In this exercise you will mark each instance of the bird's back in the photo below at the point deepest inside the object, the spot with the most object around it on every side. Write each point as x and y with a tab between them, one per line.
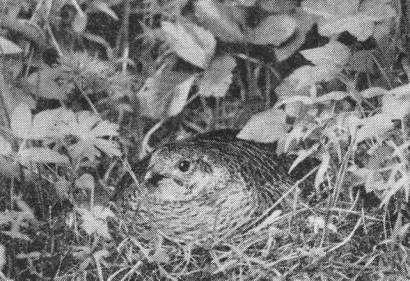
253	178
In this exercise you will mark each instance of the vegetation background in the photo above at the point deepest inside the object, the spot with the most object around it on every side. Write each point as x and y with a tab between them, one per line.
87	84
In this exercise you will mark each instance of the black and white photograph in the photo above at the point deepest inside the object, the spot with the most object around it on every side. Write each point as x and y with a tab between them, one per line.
201	140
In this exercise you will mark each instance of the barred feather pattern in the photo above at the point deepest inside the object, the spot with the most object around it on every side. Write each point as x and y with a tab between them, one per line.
237	180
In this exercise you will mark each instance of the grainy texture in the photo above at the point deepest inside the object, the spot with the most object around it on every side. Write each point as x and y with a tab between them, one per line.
209	186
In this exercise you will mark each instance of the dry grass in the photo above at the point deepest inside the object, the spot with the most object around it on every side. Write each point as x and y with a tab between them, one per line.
299	244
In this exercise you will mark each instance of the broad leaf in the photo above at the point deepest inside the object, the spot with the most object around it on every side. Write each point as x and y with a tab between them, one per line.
217	77
333	53
359	26
190	42
399	100
21	121
3	257
247	3
9	167
304	77
52	123
304	23
358	18
43	84
277	6
223	21
180	96
161	93
41	155
85	182
62	187
93	136
274	30
267	126
362	61
80	22
374	126
5	146
8	48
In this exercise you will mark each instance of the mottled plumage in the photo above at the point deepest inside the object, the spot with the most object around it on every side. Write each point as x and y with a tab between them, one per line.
209	186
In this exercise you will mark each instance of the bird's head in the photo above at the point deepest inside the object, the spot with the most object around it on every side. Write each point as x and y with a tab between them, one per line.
183	172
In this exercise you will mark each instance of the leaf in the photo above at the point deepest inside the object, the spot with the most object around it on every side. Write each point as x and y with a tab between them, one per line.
396	102
330	9
2	256
304	23
352	16
41	155
62	187
190	42
302	155
95	220
293	109
103	7
180	96
162	92
161	256
274	30
52	123
277	6
382	31
91	132
361	27
247	3
267	126
43	84
220	20
335	95
100	40
8	48
217	77
9	167
21	121
374	126
362	61
85	182
80	22
333	53
268	221
301	79
324	165
317	222
5	146
378	10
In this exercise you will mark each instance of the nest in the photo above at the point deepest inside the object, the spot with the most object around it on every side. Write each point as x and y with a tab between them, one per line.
249	244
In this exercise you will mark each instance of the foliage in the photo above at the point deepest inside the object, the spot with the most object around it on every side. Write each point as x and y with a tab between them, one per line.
85	84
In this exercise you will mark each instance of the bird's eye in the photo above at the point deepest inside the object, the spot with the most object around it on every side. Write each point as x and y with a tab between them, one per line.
184	165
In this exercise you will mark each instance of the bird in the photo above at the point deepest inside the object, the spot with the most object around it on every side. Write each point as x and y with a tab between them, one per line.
209	186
